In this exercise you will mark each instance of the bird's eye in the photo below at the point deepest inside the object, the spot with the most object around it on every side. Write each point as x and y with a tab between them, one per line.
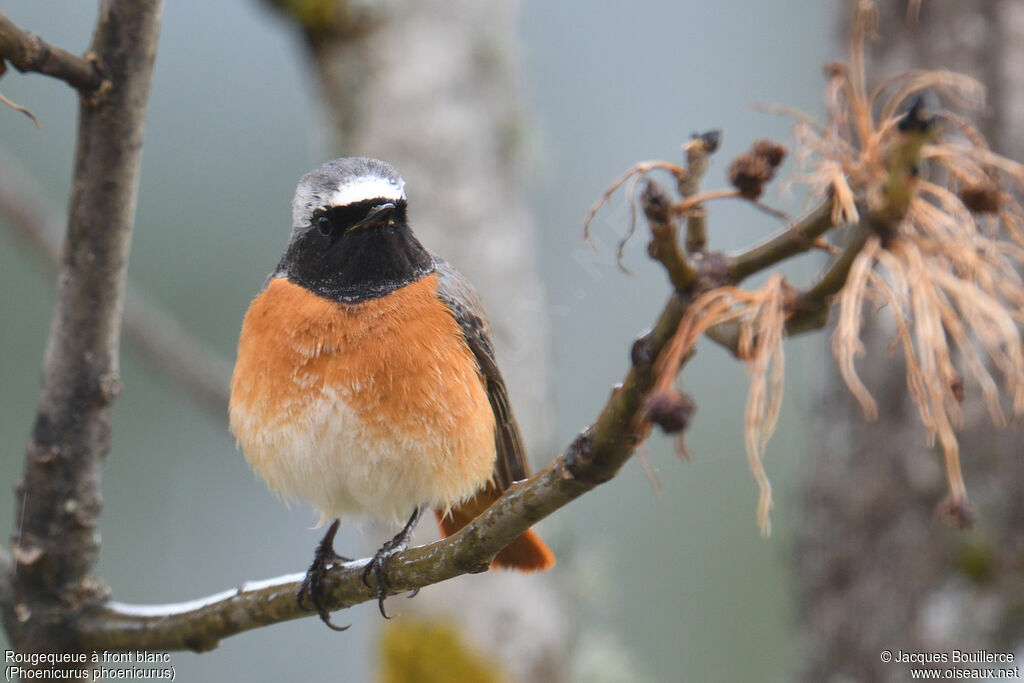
323	224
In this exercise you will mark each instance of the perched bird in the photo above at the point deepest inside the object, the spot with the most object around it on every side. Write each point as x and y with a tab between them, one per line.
366	382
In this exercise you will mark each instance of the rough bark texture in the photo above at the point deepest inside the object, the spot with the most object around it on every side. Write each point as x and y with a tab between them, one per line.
28	52
876	568
56	542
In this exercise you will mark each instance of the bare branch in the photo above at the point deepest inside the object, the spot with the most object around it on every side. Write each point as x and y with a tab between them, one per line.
793	240
698	151
28	52
812	305
56	545
809	309
19	108
664	244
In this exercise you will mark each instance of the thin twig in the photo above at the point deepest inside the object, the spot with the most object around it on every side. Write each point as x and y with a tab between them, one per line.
834	277
690	203
795	239
664	245
698	150
639	169
809	309
28	52
23	110
56	545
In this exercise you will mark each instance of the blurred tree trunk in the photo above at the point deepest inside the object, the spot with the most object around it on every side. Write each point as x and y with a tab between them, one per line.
877	569
433	87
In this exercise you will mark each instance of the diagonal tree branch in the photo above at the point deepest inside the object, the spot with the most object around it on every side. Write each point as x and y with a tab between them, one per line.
795	239
810	308
56	545
28	52
594	457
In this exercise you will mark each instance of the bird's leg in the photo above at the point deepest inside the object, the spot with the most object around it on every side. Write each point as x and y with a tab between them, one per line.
312	585
378	565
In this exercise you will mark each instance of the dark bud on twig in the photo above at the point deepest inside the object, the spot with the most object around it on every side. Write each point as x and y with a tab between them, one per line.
669	410
640	353
749	173
656	202
981	198
710	139
770	151
917	119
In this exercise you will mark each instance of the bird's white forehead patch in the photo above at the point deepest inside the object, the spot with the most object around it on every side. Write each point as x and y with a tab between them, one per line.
320	190
366	187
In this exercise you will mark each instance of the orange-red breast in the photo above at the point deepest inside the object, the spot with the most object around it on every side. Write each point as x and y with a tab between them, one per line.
366	382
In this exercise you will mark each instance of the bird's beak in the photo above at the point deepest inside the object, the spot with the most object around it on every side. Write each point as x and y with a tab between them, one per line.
375	216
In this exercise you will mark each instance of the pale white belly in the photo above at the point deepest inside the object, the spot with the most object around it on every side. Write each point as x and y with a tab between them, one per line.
320	451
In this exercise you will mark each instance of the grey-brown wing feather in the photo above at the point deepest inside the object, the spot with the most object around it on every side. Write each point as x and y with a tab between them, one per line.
458	294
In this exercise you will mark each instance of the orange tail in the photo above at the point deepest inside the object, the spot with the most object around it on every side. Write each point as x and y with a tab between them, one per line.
527	553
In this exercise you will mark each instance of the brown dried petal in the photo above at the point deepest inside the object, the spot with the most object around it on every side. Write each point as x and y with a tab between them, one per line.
981	198
669	410
770	151
748	174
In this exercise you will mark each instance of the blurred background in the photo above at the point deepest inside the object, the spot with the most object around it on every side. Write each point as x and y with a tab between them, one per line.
654	583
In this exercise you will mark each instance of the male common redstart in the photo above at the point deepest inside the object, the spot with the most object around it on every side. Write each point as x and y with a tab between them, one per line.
366	382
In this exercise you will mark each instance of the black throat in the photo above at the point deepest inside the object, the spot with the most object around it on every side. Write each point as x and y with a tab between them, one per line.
359	264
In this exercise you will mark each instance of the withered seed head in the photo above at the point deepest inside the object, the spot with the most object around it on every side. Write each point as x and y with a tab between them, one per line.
981	198
669	410
770	151
748	173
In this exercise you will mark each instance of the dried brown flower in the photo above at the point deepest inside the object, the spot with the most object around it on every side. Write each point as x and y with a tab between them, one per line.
981	197
669	409
944	257
748	173
946	265
771	152
761	316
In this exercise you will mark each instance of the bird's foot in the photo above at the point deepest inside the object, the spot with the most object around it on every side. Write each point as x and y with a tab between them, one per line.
379	563
311	592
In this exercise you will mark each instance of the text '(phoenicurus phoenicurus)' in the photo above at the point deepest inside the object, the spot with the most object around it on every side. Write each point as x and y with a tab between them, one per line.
366	381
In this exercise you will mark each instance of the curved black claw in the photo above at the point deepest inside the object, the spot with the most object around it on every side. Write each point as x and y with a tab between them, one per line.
311	592
379	563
